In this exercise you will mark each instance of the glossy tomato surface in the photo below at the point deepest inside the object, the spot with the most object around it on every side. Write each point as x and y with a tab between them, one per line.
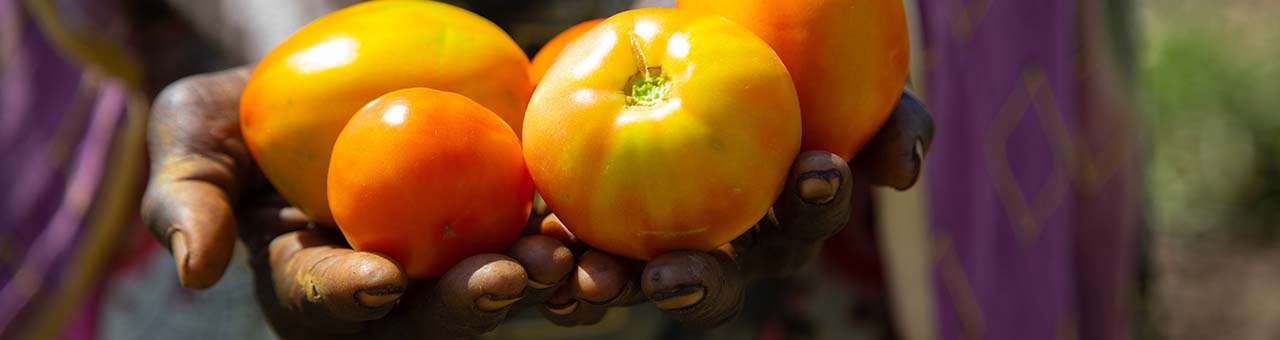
661	129
304	91
428	178
848	58
542	61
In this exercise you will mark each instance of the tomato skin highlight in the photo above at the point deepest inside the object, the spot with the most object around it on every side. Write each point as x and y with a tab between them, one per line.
306	89
428	178
661	129
547	55
849	60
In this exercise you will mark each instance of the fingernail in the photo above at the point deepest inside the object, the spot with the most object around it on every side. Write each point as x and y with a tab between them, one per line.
553	227
378	297
293	216
489	303
538	285
728	249
917	157
680	298
819	187
562	309
917	150
178	243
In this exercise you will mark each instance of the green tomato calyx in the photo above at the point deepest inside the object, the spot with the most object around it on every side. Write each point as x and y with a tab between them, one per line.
648	91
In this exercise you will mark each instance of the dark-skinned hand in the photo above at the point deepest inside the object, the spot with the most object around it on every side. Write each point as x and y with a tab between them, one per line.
205	189
704	289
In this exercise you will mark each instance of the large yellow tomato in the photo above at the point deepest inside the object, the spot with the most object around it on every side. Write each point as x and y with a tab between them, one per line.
549	52
848	58
662	129
304	91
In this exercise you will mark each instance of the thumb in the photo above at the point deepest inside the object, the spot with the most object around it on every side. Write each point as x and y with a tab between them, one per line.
194	219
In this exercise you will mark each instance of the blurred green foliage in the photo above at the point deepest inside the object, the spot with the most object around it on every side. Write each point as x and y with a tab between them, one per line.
1212	85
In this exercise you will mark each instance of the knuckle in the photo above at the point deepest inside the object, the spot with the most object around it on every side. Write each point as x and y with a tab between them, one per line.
185	91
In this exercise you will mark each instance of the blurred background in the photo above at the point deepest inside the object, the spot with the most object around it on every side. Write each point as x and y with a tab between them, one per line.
1210	82
1197	257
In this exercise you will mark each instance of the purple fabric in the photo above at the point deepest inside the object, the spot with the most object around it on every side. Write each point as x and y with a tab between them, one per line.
55	137
1020	246
39	86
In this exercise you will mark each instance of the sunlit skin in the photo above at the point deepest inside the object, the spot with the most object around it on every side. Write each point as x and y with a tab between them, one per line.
428	178
303	92
542	61
660	130
848	58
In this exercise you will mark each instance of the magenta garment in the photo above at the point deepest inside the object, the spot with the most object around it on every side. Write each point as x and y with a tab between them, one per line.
1032	180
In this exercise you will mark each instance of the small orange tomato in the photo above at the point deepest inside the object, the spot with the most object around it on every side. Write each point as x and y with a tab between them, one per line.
307	88
428	178
848	58
661	129
542	61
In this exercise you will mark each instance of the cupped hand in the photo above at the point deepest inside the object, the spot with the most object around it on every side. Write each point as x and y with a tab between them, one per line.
205	189
704	289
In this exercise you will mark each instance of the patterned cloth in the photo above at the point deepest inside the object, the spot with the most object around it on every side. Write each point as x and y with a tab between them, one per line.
1034	176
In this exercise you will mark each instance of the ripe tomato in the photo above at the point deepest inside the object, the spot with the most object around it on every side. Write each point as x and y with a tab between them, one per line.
542	61
848	58
661	129
428	178
305	90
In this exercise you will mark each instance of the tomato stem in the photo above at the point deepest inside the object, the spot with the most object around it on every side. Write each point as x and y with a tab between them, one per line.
648	86
642	64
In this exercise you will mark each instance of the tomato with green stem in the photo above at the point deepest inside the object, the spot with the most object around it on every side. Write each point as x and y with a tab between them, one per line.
662	129
551	50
